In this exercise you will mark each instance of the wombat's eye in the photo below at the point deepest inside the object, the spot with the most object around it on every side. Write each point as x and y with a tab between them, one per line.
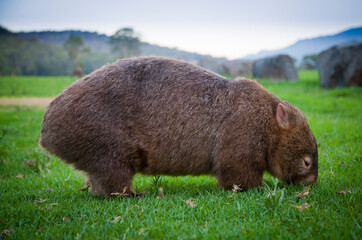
307	161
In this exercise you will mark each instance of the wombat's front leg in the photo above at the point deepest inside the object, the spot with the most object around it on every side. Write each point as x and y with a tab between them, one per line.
244	180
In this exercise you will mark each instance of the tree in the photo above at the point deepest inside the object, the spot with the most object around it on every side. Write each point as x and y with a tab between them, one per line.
75	47
309	62
126	43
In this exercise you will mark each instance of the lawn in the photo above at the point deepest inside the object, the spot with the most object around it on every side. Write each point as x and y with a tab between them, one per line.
33	86
41	196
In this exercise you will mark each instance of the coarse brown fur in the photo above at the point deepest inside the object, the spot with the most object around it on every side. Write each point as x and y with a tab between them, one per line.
160	116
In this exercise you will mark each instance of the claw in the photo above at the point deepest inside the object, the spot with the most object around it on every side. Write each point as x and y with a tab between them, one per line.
139	194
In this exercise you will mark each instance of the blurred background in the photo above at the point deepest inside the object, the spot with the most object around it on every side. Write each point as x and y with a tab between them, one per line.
261	38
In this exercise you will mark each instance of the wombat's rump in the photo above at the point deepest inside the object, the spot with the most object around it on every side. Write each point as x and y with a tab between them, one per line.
161	116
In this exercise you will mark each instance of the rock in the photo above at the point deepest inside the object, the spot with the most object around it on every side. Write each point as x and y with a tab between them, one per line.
280	67
213	64
341	66
237	68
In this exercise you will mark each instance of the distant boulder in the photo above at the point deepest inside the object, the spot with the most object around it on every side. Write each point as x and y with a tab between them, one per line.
213	64
280	67
237	68
341	66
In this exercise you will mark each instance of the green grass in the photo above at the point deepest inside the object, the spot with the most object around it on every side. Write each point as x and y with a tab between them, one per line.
33	86
335	118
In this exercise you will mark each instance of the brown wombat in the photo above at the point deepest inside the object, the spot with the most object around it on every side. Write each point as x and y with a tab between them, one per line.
155	115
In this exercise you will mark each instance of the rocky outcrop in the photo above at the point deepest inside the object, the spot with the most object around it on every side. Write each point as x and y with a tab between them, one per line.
237	68
341	66
280	67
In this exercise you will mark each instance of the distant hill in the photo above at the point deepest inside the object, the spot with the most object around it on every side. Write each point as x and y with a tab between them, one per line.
100	42
313	45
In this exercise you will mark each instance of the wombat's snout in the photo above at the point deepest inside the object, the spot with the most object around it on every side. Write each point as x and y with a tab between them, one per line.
311	179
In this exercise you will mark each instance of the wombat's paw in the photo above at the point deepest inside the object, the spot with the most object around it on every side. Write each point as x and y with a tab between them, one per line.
124	194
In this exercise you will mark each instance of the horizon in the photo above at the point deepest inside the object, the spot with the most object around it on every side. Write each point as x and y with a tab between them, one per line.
205	27
108	35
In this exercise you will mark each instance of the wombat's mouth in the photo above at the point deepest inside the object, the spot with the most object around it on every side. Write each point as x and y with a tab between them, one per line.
310	179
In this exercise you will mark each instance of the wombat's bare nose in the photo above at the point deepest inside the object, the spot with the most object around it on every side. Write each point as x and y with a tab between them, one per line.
311	179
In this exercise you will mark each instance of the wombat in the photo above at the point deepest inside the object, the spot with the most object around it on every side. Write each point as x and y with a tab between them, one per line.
157	116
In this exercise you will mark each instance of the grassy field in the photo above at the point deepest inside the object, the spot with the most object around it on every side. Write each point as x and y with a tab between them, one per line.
41	197
33	86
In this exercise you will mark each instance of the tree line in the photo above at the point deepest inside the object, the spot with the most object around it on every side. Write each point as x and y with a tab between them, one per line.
20	56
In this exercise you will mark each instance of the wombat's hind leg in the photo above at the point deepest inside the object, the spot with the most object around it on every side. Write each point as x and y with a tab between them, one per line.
112	180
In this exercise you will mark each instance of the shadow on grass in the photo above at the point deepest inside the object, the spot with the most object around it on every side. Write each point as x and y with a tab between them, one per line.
187	185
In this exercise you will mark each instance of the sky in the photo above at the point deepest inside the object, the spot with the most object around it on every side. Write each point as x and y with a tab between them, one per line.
223	28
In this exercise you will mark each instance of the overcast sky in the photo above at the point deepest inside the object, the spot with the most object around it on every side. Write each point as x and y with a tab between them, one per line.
223	28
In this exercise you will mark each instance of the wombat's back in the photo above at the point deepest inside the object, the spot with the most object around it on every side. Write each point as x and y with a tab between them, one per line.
150	105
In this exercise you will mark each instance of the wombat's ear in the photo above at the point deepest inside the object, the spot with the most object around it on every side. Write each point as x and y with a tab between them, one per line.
282	116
